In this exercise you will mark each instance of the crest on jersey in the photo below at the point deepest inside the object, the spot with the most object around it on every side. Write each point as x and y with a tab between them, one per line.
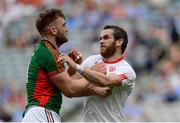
112	68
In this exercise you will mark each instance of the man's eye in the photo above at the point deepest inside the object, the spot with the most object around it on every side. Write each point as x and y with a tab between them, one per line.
106	37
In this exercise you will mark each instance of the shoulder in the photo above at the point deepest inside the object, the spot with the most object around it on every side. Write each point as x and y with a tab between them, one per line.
41	50
129	68
124	67
125	64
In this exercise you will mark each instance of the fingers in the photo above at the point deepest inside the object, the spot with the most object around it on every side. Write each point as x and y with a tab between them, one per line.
103	91
100	64
78	57
99	67
75	56
62	58
102	70
73	53
108	91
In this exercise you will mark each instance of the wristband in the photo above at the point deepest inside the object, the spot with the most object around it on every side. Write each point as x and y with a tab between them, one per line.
79	69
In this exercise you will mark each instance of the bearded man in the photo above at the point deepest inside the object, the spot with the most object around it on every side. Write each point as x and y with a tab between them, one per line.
119	75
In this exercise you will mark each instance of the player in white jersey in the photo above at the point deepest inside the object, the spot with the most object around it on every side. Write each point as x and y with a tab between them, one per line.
118	74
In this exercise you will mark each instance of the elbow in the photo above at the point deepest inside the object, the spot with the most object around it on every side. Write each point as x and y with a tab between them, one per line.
70	90
72	93
69	94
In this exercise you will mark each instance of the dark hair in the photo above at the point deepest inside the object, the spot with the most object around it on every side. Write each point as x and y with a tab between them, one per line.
119	33
47	17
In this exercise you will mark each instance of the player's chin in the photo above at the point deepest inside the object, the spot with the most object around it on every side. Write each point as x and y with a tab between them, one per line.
102	51
102	54
65	39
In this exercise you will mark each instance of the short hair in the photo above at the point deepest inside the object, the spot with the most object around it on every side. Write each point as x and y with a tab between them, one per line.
46	17
119	33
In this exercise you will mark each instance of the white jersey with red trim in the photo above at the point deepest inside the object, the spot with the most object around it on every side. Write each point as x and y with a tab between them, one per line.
109	109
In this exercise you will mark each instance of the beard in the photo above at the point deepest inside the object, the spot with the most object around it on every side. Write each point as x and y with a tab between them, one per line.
60	39
59	42
109	51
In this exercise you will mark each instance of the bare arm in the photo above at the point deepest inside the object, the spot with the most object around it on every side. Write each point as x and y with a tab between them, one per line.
78	87
95	90
69	87
93	76
71	71
102	79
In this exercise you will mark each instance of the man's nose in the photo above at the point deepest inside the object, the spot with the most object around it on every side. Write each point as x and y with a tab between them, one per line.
66	28
101	41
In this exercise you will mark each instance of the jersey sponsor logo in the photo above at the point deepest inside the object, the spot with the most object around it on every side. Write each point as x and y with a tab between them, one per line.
112	68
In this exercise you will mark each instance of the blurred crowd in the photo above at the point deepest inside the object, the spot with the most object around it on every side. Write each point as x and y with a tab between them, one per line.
153	50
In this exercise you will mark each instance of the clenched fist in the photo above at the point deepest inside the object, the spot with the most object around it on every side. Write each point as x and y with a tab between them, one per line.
75	56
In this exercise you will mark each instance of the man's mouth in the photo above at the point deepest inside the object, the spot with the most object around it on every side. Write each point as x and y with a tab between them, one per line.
102	46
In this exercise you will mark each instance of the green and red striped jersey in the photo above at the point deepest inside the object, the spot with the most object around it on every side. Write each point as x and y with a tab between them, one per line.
40	89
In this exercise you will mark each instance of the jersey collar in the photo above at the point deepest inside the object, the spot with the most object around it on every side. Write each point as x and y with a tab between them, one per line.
112	62
49	43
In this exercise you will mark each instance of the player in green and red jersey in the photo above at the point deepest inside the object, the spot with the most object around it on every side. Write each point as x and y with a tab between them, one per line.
47	78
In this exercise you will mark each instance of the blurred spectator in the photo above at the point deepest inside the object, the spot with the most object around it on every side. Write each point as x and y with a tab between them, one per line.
4	116
137	9
167	82
174	33
135	111
174	54
36	3
11	103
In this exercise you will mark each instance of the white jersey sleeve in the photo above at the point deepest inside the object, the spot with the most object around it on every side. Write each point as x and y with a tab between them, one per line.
127	75
125	72
130	78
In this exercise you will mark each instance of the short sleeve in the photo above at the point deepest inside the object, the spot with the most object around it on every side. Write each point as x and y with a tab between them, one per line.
48	62
128	77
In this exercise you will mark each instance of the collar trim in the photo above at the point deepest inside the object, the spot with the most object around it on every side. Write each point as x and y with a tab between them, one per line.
45	40
112	62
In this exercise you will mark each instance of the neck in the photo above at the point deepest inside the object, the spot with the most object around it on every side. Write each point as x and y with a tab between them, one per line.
114	57
50	39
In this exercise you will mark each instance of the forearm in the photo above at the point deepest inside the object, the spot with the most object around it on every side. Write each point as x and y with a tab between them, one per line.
100	79
77	86
96	77
89	91
71	71
69	87
76	76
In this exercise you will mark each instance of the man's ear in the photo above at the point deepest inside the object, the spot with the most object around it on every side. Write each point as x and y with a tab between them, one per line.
119	42
53	30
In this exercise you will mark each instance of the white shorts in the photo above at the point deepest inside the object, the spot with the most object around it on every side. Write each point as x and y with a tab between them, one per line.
40	114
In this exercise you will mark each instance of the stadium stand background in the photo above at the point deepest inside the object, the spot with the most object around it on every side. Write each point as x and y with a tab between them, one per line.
153	27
